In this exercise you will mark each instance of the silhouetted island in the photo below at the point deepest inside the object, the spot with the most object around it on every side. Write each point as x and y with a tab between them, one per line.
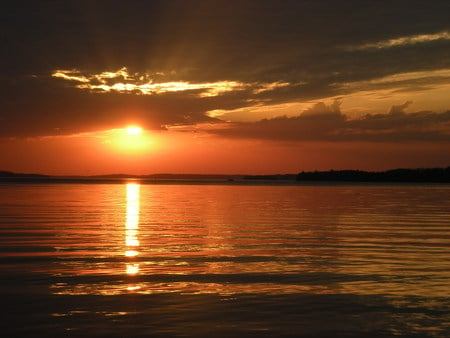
432	175
12	177
12	174
278	177
437	175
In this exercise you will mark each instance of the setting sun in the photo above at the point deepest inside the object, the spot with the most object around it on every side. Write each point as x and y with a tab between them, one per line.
131	139
133	130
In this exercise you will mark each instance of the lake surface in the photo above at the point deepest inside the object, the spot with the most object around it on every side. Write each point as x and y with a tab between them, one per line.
140	260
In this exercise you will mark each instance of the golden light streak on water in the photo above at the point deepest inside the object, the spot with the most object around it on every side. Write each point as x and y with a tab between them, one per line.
131	253
132	269
132	227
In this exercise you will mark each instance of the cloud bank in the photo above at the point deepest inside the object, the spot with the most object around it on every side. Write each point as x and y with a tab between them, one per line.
78	66
327	123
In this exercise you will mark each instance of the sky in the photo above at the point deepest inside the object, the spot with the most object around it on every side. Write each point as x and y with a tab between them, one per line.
232	87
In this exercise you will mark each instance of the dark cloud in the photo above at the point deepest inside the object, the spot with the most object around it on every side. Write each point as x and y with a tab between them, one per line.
399	109
327	123
38	109
204	40
304	43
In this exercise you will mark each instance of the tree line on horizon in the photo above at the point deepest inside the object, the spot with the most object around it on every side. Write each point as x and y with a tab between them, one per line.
438	175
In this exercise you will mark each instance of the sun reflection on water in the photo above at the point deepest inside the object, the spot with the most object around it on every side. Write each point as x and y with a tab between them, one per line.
132	227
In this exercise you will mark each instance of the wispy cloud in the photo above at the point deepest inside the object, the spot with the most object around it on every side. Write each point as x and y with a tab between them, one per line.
206	89
403	41
265	87
123	82
70	75
323	122
399	80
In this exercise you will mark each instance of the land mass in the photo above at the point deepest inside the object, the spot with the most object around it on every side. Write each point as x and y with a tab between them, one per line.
436	175
8	176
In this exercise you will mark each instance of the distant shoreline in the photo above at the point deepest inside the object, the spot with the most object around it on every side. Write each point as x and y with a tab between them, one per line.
422	175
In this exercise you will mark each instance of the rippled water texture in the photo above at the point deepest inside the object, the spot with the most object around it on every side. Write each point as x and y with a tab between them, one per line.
225	260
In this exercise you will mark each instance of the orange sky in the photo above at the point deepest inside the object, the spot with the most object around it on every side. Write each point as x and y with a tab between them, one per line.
172	153
234	87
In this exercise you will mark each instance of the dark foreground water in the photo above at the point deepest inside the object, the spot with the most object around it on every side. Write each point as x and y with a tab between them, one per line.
127	260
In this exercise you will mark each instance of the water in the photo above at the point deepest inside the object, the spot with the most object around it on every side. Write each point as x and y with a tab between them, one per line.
129	260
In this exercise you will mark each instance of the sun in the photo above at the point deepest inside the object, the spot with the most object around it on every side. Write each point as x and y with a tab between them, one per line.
133	130
131	139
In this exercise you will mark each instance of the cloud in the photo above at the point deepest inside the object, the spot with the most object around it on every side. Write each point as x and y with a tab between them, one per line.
200	61
403	41
71	75
72	101
145	85
266	87
52	109
320	109
400	81
324	122
399	109
121	81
